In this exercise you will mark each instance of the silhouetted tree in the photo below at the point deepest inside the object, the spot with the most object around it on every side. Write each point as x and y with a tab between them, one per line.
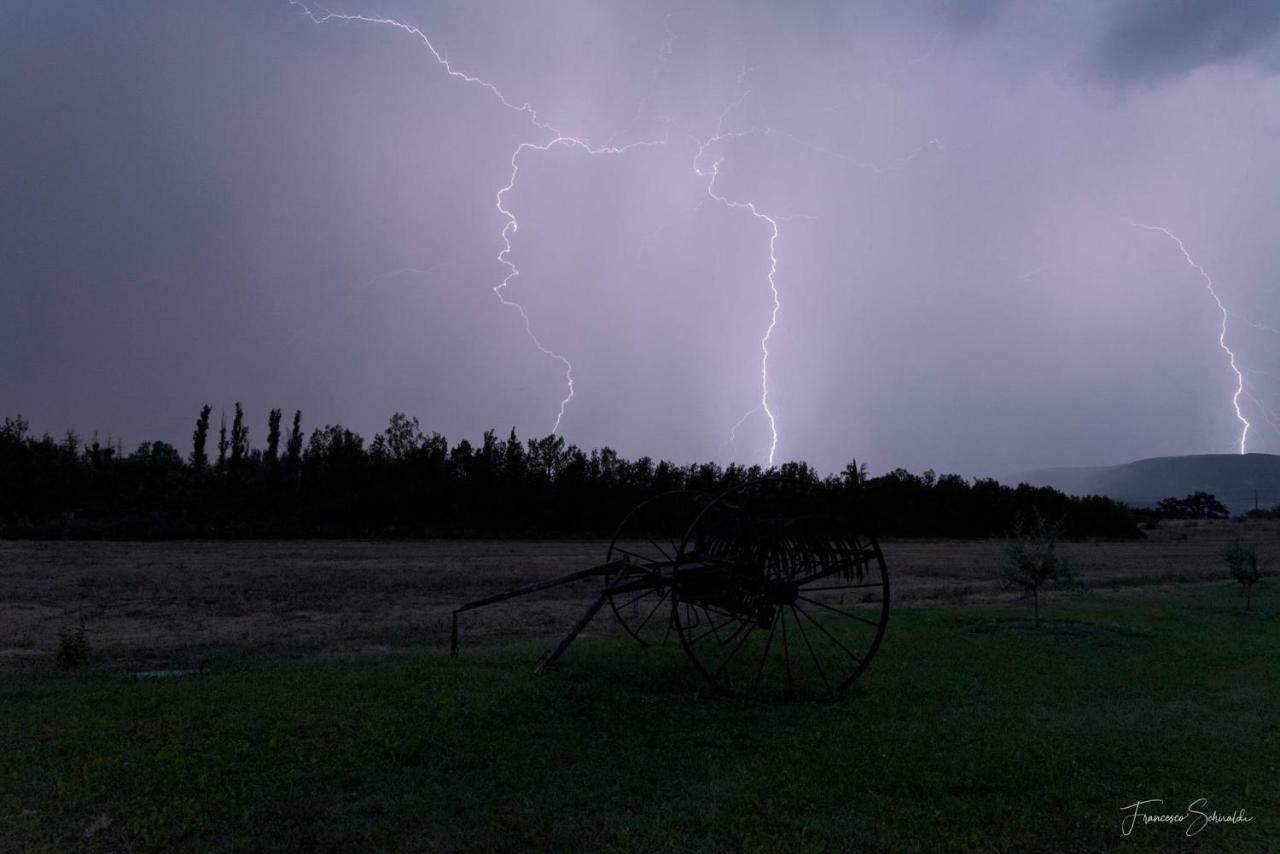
407	483
200	439
273	437
70	446
1197	505
293	450
222	443
403	437
157	454
14	430
239	438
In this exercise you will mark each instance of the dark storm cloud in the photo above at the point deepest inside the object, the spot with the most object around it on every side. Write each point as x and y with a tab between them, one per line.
222	201
1154	39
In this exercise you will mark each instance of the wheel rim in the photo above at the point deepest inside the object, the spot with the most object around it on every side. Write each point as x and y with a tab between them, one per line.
775	595
649	538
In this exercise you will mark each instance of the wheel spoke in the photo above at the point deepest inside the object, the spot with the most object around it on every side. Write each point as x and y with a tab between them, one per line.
660	549
642	594
812	654
786	650
651	613
714	630
823	629
755	684
838	611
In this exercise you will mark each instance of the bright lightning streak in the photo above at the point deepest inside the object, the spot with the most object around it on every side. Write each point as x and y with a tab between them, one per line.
711	176
774	220
512	225
1222	333
440	59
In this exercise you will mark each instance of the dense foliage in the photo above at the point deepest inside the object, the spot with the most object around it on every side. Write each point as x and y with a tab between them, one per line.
407	483
1197	505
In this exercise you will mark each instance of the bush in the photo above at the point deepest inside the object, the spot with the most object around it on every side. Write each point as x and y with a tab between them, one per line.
1242	561
73	649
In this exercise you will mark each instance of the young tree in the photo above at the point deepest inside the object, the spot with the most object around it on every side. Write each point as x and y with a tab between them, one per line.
200	438
222	443
273	437
239	438
1031	560
1242	561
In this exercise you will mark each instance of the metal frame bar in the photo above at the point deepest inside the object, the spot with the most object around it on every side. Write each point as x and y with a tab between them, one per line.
604	569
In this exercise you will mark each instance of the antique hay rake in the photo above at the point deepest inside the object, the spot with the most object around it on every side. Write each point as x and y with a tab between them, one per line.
768	587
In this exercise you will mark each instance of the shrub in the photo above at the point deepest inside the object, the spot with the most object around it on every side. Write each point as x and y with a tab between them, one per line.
1242	561
73	649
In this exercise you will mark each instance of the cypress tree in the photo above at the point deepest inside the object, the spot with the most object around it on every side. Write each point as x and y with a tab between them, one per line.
200	438
239	437
273	436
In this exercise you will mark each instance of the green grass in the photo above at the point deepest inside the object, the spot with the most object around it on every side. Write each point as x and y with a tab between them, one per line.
971	731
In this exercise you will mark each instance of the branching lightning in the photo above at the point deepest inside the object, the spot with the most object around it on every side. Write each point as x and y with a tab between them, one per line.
559	139
705	169
1222	332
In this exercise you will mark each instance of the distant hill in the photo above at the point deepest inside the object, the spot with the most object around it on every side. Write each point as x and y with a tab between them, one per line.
1233	478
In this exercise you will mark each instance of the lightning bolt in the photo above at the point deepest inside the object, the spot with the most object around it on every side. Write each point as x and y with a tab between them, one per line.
559	139
513	225
711	175
774	221
1222	332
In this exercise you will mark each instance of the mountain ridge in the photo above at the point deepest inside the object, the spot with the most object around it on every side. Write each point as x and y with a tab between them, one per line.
1240	481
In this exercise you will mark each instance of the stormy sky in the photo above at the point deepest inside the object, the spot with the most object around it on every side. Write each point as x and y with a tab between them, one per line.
226	201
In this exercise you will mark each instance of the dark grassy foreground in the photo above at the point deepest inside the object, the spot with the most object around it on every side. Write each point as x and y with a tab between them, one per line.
970	732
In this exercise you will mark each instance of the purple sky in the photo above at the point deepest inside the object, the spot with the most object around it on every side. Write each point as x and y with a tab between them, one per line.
210	203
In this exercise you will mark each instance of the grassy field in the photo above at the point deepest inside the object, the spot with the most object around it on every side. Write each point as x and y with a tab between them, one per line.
192	604
973	731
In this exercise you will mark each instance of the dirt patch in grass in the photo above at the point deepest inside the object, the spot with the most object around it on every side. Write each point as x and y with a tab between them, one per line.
159	605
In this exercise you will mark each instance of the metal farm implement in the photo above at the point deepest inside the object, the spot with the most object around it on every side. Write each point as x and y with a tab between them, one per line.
768	589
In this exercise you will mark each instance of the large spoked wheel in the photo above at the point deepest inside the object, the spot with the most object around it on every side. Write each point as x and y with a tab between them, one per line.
775	594
649	538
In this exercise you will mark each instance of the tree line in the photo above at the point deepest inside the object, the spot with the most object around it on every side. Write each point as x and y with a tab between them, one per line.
408	483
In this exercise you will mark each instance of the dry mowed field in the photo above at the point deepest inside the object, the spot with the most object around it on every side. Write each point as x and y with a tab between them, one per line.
185	604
